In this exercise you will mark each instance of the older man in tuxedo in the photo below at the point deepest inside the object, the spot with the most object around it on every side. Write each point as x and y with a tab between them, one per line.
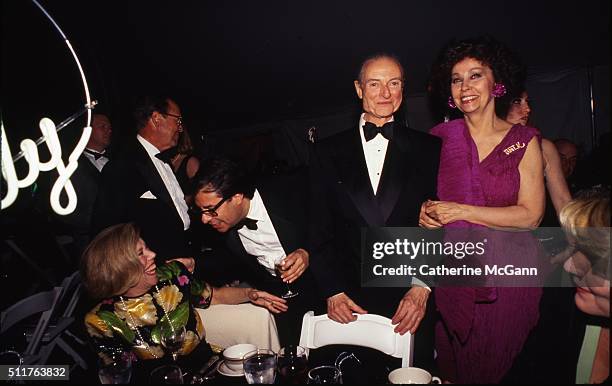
375	174
139	187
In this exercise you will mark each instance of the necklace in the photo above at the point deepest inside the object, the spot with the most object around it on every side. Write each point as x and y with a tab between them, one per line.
144	342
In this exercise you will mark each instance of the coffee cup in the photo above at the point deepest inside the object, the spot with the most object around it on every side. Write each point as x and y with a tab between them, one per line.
233	355
411	375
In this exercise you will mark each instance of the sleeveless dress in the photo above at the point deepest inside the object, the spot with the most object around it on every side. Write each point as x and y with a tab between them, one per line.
483	329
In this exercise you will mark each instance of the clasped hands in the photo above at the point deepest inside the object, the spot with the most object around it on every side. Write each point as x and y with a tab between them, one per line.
435	214
407	317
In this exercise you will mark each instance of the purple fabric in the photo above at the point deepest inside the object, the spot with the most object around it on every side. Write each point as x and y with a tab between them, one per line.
483	328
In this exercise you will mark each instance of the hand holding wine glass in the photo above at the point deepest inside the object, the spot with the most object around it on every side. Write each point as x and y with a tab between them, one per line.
290	268
172	338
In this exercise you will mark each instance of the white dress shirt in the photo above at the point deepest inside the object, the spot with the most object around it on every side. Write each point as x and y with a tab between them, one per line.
263	242
98	163
375	151
170	181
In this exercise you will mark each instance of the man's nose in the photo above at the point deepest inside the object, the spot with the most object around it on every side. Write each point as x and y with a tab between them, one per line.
386	93
205	218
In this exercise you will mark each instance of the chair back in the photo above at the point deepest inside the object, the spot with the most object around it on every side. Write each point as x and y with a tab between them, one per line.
42	303
369	330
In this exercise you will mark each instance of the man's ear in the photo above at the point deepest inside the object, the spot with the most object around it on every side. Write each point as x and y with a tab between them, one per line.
358	89
155	118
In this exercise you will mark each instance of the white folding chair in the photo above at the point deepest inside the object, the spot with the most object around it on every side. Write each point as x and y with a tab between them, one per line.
369	330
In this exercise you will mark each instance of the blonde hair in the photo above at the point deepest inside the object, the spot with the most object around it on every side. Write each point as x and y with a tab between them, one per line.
110	263
586	221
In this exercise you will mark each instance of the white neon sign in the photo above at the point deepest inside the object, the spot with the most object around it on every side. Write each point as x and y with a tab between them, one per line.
49	136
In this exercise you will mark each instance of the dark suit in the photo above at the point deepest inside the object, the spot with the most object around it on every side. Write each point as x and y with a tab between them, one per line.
124	180
343	202
85	180
284	200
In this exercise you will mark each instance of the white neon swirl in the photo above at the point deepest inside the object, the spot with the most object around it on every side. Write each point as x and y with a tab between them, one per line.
29	148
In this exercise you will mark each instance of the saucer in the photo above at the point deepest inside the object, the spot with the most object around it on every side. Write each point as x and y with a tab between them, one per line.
224	370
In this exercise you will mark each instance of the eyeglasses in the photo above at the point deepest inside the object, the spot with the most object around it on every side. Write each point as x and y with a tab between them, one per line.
211	212
179	119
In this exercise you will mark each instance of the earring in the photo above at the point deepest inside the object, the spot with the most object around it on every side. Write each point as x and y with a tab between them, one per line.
499	90
451	103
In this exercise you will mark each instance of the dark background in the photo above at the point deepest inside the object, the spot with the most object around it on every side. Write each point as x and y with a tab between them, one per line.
252	77
242	63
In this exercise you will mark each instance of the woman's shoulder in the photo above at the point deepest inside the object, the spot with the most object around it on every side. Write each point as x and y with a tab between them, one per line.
445	129
526	133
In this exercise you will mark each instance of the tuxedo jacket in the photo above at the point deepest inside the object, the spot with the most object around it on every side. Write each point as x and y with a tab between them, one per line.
85	180
284	198
343	202
121	198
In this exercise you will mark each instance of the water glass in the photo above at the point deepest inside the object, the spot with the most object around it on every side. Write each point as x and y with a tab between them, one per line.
118	371
260	366
325	375
167	375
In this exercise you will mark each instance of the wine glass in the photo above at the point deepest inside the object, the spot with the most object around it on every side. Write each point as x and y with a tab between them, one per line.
325	375
292	364
167	375
278	264
116	371
260	366
172	338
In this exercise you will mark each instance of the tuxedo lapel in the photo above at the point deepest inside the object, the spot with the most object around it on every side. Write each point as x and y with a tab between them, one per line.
235	244
355	179
88	167
254	270
152	179
395	174
286	233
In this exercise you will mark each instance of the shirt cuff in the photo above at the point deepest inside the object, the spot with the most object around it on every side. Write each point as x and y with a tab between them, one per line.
419	283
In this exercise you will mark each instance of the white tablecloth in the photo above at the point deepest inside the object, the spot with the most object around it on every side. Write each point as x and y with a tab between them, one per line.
227	325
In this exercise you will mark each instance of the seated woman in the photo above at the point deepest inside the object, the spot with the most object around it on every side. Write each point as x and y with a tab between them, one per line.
138	298
586	220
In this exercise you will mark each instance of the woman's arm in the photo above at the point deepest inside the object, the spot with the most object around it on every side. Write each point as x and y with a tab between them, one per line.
526	214
237	295
555	180
193	164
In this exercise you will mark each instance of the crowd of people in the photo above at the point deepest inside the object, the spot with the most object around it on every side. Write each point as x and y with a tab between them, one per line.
300	233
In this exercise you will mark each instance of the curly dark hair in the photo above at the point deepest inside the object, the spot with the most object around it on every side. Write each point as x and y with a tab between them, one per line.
506	66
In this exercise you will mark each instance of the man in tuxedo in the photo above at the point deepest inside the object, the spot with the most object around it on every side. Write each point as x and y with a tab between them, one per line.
376	174
265	225
138	187
86	180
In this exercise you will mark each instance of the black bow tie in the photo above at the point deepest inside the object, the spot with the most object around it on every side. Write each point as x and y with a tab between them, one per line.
96	154
370	130
247	222
167	155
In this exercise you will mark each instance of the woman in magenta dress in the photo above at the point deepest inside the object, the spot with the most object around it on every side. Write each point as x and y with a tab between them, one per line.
491	176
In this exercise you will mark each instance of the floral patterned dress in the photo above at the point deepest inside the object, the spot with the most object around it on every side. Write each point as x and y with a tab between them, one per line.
112	329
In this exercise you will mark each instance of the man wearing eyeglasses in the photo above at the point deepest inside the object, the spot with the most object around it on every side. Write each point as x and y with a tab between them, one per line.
139	187
265	224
